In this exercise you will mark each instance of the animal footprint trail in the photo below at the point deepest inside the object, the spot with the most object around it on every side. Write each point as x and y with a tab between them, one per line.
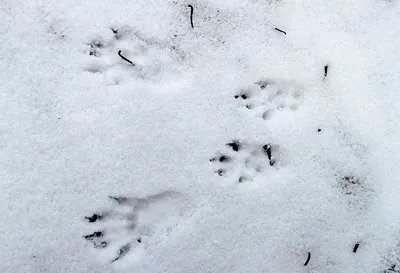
127	223
244	160
267	98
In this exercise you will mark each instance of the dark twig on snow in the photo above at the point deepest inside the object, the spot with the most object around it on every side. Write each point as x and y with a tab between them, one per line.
191	15
125	59
267	150
308	259
356	247
280	30
326	70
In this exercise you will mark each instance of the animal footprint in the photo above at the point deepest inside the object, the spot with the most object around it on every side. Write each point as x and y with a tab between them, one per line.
123	53
243	160
267	98
127	223
356	191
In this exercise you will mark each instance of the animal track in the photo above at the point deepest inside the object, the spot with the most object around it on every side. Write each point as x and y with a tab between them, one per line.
269	97
245	160
127	223
357	192
149	56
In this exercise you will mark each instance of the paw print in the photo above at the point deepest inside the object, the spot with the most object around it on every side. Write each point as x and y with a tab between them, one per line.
244	161
127	224
122	53
267	98
356	191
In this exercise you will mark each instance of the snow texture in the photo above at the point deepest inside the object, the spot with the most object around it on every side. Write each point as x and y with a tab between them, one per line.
227	147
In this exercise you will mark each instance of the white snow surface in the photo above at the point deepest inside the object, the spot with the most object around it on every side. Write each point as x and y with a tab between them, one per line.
77	128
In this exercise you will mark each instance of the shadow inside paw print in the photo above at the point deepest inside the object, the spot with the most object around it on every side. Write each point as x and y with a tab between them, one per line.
266	98
94	47
245	159
121	228
349	184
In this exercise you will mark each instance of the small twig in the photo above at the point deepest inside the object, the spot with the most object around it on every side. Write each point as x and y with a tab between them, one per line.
356	247
308	259
191	15
267	150
284	32
125	59
326	70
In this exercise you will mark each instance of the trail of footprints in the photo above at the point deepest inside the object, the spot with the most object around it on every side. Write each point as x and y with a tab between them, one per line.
242	161
265	99
120	228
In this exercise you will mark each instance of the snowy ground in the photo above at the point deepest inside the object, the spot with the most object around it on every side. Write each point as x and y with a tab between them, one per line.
311	164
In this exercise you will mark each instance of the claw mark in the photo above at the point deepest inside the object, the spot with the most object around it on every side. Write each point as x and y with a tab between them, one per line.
222	158
267	150
243	96
122	252
94	218
392	269
125	59
308	259
96	234
235	145
280	30
356	247
117	35
242	179
191	15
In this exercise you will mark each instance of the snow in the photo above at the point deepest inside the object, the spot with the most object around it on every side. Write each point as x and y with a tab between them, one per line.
77	128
